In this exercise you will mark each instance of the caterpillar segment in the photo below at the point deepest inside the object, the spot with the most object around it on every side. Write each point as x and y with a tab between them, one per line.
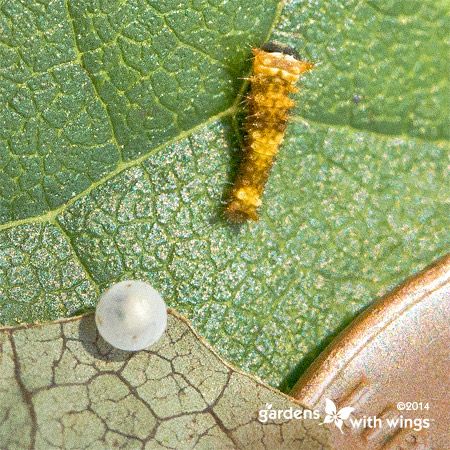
276	70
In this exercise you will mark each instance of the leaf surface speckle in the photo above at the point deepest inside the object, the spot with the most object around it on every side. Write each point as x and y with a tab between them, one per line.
117	147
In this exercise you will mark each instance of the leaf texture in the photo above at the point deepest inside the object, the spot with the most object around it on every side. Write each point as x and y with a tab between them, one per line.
64	387
118	144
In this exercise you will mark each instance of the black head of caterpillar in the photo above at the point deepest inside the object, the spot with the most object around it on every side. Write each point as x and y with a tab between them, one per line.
277	47
276	70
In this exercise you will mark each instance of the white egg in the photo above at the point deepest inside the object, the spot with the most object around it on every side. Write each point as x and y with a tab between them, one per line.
131	315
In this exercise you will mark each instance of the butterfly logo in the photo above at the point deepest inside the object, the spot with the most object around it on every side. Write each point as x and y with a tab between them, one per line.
335	416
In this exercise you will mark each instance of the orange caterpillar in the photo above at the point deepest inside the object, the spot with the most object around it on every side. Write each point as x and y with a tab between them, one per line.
276	70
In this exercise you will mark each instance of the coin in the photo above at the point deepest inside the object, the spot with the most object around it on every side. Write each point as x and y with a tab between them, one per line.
391	363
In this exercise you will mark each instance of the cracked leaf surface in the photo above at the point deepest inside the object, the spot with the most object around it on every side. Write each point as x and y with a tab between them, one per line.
39	275
66	388
357	200
55	137
85	85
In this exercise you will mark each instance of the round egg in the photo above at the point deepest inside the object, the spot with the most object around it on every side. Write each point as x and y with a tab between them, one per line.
131	315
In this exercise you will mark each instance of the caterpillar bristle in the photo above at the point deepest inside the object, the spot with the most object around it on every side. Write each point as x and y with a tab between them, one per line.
276	70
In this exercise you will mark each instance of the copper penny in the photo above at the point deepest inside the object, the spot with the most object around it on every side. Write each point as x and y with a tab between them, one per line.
391	363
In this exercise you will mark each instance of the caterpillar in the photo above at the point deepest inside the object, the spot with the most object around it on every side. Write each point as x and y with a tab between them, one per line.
276	70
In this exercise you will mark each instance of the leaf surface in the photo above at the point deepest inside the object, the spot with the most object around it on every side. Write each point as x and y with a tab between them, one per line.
64	387
145	95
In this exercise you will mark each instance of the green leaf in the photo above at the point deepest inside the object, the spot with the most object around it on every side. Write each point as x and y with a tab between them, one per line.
88	85
383	65
357	201
64	387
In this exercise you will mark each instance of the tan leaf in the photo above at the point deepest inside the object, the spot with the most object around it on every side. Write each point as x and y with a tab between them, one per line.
62	386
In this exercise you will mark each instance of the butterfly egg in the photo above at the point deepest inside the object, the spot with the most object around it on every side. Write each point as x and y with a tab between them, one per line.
131	315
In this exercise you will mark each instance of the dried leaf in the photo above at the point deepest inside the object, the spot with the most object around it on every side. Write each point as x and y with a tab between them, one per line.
62	386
